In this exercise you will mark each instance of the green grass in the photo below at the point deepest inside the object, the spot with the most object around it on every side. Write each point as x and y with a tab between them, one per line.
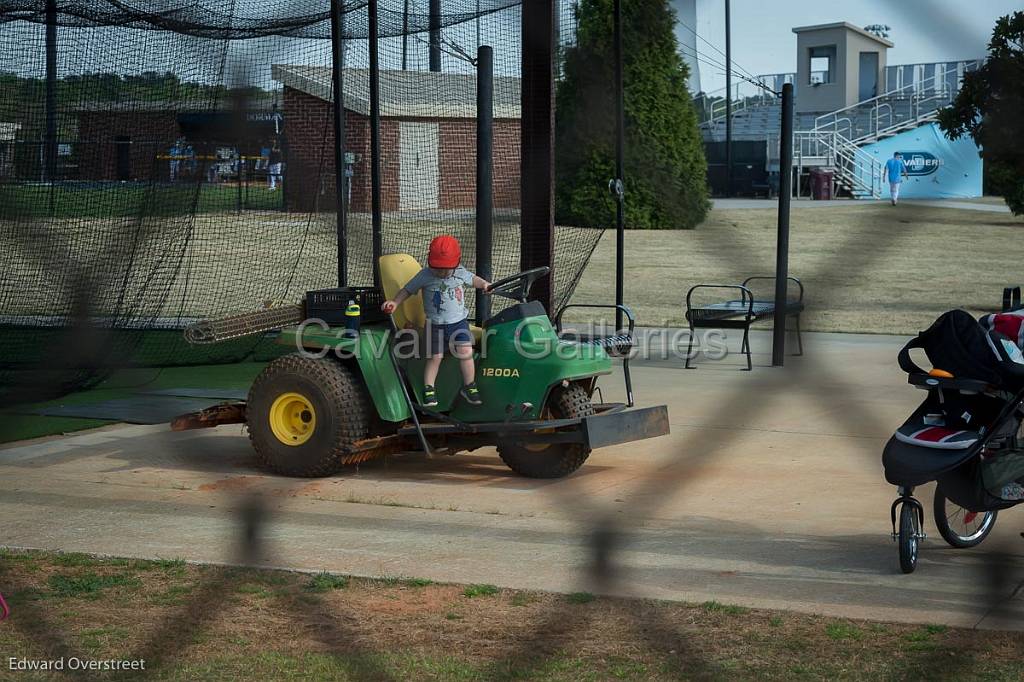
580	598
466	640
175	595
88	585
132	200
325	582
728	609
75	559
479	591
843	630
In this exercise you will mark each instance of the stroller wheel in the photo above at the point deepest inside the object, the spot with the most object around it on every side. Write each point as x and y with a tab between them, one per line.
909	535
960	527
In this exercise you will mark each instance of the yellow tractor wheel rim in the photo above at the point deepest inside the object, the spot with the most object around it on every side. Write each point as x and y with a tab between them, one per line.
292	418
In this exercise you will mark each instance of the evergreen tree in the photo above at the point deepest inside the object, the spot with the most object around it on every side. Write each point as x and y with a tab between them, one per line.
665	169
990	108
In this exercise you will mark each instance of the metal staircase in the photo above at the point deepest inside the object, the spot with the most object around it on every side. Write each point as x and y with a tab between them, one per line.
855	171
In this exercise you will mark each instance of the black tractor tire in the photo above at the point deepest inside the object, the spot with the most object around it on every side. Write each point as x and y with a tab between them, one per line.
341	407
557	459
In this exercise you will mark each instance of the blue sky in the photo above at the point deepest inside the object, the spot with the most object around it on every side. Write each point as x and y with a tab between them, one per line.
923	30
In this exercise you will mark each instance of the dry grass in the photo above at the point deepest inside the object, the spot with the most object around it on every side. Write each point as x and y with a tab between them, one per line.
920	261
248	624
886	270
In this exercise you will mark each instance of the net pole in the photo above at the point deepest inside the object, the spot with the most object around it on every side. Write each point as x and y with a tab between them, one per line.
620	153
728	102
484	173
375	179
782	238
435	35
338	83
405	34
537	147
50	149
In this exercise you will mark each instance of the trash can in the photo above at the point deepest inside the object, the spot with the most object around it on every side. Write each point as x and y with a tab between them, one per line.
821	183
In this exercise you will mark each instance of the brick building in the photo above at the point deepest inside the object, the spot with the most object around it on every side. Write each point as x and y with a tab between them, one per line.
428	139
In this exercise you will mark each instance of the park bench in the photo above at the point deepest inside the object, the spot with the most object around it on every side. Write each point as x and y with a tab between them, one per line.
739	313
616	345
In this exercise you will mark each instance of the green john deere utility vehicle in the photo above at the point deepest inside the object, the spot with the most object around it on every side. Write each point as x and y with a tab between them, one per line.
341	399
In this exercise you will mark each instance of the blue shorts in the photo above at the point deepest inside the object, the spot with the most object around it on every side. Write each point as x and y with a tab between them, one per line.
441	337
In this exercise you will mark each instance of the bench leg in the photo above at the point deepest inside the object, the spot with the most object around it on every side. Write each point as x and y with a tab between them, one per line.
689	347
799	341
746	347
629	381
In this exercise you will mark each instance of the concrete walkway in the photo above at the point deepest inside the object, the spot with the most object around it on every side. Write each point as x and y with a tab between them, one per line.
769	492
965	205
728	204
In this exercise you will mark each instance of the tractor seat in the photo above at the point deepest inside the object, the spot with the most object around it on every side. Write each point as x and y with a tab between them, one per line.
396	269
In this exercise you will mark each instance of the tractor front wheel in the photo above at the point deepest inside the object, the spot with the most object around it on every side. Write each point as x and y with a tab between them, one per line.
556	459
305	414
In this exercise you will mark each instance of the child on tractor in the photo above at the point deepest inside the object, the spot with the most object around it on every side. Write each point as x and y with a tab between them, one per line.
445	307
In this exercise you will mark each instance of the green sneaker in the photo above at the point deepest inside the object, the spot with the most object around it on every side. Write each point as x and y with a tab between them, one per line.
471	394
429	396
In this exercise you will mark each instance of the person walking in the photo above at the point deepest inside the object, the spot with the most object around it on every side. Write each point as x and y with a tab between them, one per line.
274	175
894	171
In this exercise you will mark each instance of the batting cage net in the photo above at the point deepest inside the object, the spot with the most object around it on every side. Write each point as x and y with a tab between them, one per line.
164	161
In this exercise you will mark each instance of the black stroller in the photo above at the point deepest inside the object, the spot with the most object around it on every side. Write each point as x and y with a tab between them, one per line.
970	418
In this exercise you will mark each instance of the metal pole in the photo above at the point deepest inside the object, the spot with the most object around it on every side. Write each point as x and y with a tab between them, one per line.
484	173
405	34
620	152
435	35
536	145
375	179
728	102
50	148
782	239
340	198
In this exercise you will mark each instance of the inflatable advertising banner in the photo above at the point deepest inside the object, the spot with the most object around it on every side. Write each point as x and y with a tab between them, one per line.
937	168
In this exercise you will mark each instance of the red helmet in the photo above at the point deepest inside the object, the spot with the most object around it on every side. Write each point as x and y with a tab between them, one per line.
445	252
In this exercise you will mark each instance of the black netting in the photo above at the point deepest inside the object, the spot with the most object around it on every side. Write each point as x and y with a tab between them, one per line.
159	202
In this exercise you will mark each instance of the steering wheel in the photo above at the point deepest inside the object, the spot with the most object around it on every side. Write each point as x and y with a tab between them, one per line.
517	286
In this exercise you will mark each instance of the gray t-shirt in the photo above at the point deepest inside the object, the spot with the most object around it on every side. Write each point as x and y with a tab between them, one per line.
444	301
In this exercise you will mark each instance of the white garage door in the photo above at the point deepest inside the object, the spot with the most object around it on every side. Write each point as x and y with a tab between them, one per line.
420	168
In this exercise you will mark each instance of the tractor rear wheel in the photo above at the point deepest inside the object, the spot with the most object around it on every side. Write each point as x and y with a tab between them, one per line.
305	414
556	459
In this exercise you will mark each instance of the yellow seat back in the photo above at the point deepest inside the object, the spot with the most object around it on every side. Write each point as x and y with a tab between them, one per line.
396	270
